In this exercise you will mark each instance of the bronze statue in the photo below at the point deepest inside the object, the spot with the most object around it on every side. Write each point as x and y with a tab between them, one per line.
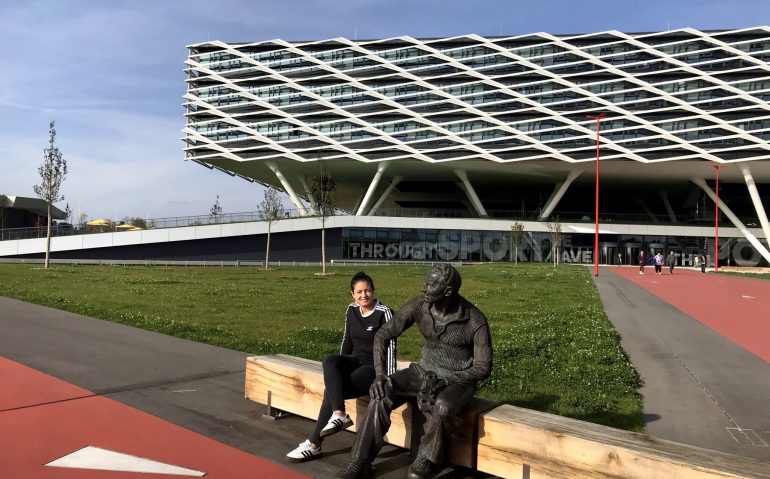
455	356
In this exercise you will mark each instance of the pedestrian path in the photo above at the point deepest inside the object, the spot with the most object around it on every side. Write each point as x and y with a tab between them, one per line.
63	431
700	343
737	308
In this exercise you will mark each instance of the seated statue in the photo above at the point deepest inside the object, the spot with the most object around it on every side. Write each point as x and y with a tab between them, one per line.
456	354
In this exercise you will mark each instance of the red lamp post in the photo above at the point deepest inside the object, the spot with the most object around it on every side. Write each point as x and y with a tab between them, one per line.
716	220
598	119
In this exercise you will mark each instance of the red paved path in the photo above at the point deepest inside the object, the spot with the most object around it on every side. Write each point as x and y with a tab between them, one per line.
43	418
737	308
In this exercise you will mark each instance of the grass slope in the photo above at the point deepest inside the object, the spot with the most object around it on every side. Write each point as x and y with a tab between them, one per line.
554	348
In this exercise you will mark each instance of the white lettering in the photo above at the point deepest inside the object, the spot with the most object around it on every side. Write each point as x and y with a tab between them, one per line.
470	243
495	246
391	251
448	244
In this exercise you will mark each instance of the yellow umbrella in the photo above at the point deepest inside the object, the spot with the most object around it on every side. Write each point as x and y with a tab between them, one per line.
99	223
127	227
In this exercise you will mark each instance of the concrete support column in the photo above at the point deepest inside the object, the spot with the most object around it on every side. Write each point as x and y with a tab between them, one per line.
372	187
647	210
558	193
309	193
664	196
734	219
287	187
472	196
755	198
385	195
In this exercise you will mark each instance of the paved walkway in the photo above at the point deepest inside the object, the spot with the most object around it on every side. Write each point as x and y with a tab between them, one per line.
701	342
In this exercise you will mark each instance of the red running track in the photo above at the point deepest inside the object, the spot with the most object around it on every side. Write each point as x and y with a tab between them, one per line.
43	418
737	308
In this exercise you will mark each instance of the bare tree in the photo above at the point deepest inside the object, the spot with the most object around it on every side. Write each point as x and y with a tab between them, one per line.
324	190
216	211
554	228
52	173
82	219
270	210
517	234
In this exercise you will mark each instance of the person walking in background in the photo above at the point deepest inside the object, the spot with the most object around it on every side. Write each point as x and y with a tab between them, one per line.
658	261
350	373
641	260
671	262
620	259
702	263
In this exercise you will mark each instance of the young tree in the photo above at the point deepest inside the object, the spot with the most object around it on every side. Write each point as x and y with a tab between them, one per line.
324	190
554	228
271	210
216	211
517	234
3	213
82	219
68	214
52	173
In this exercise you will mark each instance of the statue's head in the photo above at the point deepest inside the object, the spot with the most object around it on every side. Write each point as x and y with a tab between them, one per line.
442	281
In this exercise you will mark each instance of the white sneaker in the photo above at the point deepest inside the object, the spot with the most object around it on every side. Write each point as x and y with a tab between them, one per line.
336	424
304	452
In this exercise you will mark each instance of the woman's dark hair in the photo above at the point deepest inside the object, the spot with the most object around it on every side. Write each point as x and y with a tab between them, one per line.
361	276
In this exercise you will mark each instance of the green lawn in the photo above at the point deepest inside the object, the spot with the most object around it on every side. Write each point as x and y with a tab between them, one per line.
554	348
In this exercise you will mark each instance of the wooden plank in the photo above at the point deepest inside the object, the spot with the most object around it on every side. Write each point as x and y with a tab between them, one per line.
549	446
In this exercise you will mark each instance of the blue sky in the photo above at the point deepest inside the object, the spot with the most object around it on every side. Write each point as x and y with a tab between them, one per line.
110	73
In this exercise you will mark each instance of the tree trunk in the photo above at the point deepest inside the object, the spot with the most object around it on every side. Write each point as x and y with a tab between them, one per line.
516	260
323	250
267	250
48	238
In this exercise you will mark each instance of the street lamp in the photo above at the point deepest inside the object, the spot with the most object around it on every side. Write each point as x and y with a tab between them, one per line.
716	220
598	119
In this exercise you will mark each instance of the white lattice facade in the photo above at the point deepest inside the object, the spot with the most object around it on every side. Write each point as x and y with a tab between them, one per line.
492	126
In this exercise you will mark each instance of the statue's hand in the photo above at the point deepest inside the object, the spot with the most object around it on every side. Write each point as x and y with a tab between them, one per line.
379	386
438	386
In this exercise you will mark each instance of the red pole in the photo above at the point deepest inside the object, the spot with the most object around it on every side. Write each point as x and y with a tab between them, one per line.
716	222
598	119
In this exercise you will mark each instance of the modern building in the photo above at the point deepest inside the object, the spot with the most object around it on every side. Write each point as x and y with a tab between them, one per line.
501	127
437	145
25	212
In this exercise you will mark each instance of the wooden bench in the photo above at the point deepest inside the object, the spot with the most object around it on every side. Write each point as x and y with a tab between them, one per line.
296	385
508	441
522	443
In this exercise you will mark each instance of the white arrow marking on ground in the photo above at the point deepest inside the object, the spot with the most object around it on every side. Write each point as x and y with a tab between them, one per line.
101	459
746	296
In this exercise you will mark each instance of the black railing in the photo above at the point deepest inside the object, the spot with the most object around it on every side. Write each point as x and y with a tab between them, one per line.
105	226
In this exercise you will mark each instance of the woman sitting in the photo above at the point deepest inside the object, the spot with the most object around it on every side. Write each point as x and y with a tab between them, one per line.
350	373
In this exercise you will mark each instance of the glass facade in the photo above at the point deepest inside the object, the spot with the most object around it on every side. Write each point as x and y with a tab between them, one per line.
418	244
